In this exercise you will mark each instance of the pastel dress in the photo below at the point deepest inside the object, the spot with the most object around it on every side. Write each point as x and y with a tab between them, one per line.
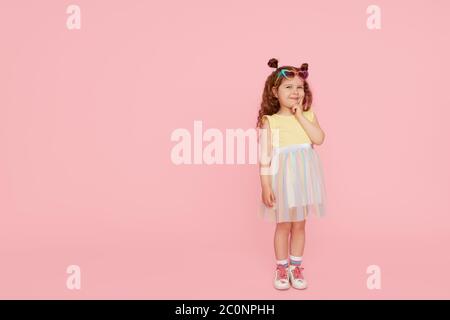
296	171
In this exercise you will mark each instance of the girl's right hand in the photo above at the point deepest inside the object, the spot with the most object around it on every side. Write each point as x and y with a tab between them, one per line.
268	197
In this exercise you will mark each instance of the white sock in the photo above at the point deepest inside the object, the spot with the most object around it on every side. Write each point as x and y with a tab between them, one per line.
295	261
283	262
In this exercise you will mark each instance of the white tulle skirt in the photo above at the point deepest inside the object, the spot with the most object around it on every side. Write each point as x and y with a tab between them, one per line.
297	183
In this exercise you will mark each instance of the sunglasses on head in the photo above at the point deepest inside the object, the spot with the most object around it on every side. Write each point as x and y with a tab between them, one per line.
288	73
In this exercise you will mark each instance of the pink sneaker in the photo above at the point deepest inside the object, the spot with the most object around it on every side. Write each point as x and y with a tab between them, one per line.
281	281
296	277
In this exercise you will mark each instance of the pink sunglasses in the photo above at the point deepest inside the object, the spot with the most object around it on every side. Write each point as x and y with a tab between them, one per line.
292	73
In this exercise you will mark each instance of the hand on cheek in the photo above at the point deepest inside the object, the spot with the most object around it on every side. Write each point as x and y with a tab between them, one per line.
297	109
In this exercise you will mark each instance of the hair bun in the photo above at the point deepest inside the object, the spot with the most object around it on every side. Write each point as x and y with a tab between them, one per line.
273	63
304	70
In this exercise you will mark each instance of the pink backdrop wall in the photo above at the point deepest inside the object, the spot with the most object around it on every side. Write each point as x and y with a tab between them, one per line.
85	171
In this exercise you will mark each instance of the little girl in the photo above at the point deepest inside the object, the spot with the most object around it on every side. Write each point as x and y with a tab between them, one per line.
291	177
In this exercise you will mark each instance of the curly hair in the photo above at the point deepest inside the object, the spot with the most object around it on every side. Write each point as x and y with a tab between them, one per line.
270	103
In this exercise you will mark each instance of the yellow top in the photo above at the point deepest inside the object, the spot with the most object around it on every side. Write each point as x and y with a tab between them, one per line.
290	131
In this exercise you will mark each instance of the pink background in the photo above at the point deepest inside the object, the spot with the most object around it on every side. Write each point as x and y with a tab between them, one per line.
85	171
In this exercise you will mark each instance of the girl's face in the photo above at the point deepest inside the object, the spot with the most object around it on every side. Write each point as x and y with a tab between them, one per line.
290	92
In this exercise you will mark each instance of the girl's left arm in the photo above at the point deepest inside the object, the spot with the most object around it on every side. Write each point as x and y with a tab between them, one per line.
313	129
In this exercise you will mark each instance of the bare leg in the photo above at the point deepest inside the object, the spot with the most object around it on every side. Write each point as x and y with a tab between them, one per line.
281	240
298	238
